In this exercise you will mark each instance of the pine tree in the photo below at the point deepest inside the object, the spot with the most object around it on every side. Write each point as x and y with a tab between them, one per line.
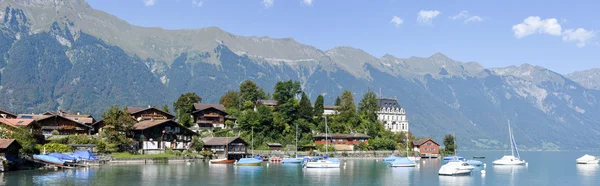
319	106
305	110
338	101
166	108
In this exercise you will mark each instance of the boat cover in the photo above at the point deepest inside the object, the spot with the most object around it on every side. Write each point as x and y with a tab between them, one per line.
62	156
84	155
401	161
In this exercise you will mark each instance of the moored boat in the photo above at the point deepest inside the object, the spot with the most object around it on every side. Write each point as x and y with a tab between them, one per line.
474	162
64	157
292	160
222	161
455	167
453	157
249	162
390	158
588	159
49	159
511	159
403	162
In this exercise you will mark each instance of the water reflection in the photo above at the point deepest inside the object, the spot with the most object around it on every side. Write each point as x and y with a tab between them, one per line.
322	175
509	172
588	173
400	175
456	180
248	172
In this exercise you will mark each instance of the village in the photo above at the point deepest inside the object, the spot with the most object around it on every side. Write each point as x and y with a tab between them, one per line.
155	132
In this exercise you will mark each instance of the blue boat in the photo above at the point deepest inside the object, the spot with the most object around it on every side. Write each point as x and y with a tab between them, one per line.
403	162
390	158
249	162
448	158
84	155
62	156
291	160
474	162
49	159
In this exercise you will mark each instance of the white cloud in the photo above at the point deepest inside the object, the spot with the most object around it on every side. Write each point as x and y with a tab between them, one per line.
149	2
534	24
461	15
464	15
474	19
307	2
197	3
580	35
397	21
268	3
427	16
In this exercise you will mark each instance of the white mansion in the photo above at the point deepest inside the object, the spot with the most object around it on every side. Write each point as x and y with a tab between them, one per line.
392	115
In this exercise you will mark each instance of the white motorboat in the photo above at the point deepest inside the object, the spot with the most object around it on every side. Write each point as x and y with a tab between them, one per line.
588	159
403	162
324	163
511	159
455	167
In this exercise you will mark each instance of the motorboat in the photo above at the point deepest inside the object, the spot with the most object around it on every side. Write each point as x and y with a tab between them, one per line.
588	159
49	159
514	158
403	162
249	162
390	158
455	167
64	157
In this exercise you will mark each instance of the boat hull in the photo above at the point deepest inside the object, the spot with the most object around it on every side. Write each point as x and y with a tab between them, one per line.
322	165
455	172
588	162
454	168
249	164
403	165
48	159
222	161
500	162
291	160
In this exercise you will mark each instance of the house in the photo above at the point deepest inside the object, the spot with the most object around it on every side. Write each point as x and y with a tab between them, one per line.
6	114
154	136
392	115
274	146
30	125
266	102
9	149
63	125
210	116
236	146
330	110
139	114
148	113
81	118
426	147
342	142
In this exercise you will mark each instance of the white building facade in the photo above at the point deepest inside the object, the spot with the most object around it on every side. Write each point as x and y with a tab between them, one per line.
392	115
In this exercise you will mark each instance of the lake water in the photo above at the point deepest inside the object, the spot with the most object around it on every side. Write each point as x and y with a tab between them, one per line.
545	168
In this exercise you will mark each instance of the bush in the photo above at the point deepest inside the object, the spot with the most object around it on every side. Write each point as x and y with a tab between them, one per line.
55	132
56	147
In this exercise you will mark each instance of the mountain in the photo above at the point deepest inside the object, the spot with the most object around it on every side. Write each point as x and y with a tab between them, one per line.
66	55
588	78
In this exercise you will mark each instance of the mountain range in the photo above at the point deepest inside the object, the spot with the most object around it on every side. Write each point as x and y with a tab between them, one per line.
63	54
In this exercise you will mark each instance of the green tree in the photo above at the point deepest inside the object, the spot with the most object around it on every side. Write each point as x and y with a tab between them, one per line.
380	143
368	107
184	106
166	108
231	99
305	109
319	106
122	127
449	146
197	144
23	136
249	91
338	101
285	91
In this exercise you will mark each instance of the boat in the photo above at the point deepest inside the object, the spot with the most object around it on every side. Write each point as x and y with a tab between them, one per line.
403	162
275	159
293	160
61	156
511	159
84	155
324	163
455	167
390	158
256	161
222	161
453	157
474	163
588	159
414	158
49	159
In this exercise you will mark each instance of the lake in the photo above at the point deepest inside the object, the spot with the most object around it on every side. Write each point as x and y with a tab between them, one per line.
544	168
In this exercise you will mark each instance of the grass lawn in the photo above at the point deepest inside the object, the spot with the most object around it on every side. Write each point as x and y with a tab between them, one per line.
127	155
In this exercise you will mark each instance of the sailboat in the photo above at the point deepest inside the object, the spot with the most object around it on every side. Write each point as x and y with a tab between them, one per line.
324	163
588	159
511	159
224	160
250	161
404	161
294	159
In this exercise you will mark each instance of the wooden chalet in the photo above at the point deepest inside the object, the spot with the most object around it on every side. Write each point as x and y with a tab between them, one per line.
274	146
427	148
342	142
9	149
209	116
64	125
267	102
236	146
30	125
154	136
6	114
139	114
81	118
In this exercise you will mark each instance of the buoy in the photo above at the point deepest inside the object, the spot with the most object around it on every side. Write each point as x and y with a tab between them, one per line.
483	172
526	164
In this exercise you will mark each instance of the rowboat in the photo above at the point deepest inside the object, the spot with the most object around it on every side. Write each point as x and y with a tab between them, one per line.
222	161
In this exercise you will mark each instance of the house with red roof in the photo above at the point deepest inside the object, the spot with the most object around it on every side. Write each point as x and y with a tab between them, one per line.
6	114
427	148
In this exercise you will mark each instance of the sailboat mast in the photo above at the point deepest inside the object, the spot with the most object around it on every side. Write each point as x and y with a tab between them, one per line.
407	144
326	139
253	141
296	154
510	138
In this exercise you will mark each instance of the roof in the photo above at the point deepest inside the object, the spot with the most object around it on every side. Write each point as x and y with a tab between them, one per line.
44	117
17	122
133	110
388	103
352	135
84	120
151	123
422	141
212	141
274	144
331	107
267	102
5	143
200	106
9	115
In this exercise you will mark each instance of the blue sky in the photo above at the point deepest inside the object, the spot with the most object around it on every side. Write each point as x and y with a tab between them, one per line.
559	35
